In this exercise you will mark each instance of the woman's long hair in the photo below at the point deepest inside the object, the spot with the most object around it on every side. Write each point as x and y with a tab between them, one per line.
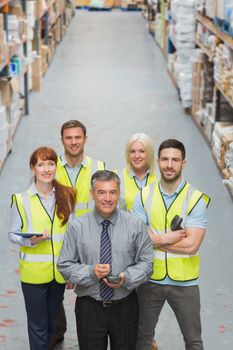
65	197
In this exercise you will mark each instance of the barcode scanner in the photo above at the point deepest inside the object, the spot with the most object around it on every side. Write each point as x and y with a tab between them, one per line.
176	223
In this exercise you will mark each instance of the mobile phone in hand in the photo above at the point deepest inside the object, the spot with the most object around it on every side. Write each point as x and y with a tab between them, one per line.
114	279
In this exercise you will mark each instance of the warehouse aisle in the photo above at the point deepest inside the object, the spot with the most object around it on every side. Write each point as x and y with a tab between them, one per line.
109	74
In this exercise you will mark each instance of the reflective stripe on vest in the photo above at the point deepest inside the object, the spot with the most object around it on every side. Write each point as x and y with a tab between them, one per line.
38	258
129	188
179	267
82	184
38	263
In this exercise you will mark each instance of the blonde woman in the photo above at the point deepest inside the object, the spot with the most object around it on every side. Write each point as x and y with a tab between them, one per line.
139	170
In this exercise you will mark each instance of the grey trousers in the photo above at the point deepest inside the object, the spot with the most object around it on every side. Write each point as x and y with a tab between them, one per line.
184	301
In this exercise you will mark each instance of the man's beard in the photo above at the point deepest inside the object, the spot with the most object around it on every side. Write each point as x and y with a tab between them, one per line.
171	181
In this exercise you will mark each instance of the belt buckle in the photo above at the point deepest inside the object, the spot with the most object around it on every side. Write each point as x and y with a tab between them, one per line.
107	303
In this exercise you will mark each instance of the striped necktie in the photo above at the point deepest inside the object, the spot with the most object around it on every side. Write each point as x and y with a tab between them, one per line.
106	293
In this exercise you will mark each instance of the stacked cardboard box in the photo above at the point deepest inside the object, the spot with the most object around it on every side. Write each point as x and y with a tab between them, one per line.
203	106
223	69
36	74
44	52
222	147
222	137
131	4
82	3
196	83
9	88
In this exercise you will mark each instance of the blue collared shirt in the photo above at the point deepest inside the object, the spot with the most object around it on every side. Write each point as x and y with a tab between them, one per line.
197	218
132	252
140	182
16	222
73	171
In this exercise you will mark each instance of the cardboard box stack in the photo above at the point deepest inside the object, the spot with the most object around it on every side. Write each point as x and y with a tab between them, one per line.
36	74
207	97
203	101
222	137
223	69
222	147
196	83
134	4
82	3
9	88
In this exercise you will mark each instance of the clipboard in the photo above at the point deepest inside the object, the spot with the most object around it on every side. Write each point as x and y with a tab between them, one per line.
28	234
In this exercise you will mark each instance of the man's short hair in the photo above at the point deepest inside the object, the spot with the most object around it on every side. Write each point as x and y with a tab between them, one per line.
104	175
73	124
172	143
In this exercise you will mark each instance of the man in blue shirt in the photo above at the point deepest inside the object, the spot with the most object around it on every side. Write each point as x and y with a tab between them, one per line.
176	259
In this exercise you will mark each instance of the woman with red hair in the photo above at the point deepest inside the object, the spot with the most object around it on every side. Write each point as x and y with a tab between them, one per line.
39	218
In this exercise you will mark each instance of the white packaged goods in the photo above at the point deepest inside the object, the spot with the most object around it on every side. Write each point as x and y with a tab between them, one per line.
228	11
211	8
229	183
13	23
200	4
220	9
185	12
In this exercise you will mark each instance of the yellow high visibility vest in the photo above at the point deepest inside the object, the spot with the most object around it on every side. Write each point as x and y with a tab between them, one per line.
38	264
129	188
178	267
82	184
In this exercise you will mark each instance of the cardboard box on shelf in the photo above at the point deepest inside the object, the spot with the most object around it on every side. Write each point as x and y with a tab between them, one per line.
64	30
1	22
221	128
82	3
36	66
36	74
7	88
108	4
222	132
44	52
16	10
226	153
57	30
68	15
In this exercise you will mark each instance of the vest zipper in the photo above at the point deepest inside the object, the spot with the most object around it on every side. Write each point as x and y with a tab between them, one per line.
52	221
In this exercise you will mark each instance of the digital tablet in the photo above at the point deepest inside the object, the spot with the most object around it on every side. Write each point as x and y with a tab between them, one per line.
28	234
